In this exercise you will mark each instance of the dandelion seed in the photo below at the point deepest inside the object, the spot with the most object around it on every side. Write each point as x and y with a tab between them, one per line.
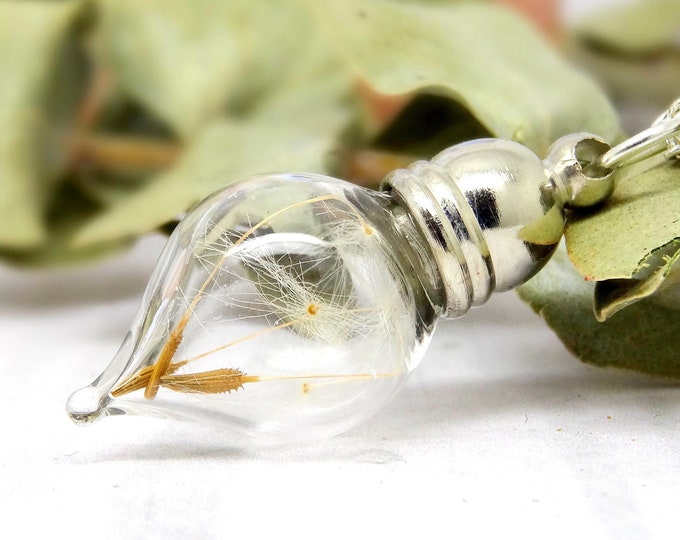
217	381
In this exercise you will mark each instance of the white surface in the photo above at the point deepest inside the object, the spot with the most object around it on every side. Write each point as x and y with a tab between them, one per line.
500	430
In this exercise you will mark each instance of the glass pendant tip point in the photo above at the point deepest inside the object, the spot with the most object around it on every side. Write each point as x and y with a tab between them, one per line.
85	406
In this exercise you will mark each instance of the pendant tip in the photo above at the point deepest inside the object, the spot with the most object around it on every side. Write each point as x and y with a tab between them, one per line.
86	406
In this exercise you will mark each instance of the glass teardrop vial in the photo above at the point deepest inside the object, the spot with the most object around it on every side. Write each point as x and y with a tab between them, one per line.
279	308
295	306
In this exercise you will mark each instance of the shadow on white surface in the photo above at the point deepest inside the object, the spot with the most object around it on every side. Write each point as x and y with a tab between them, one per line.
474	409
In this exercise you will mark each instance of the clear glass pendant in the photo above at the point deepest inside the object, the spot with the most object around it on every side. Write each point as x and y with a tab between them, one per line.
279	308
295	306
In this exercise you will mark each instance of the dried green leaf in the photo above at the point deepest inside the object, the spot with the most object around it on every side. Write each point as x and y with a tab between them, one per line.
69	211
633	50
32	37
188	61
254	147
294	127
489	59
629	244
638	28
642	337
653	81
613	295
642	215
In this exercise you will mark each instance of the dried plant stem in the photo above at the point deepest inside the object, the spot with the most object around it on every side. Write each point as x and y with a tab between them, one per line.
116	153
86	149
160	368
140	379
98	92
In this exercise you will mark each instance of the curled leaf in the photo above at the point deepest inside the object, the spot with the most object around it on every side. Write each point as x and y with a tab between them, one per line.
485	57
630	244
615	294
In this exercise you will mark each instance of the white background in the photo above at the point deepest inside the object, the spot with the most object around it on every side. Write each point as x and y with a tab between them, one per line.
500	433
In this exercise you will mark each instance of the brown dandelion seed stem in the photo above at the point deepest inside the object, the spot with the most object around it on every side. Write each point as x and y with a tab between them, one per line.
116	153
140	379
216	381
220	381
160	368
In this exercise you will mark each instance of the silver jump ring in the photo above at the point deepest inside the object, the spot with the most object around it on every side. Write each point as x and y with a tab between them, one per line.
644	144
673	143
664	132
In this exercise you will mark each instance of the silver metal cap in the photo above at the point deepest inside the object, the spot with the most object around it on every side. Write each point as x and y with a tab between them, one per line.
492	212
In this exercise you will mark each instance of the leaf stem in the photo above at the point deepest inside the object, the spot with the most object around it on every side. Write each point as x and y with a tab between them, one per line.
119	153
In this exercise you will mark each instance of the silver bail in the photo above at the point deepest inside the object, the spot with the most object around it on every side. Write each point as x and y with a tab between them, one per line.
662	136
493	213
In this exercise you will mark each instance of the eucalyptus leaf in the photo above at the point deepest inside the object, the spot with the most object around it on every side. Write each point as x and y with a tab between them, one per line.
629	245
642	337
638	28
651	80
613	295
292	127
188	61
634	50
32	36
227	152
643	214
486	57
69	211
